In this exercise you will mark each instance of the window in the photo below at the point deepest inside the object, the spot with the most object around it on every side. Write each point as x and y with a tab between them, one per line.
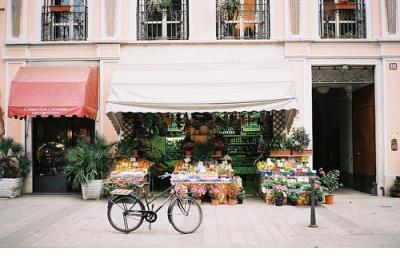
64	20
342	19
243	19
16	18
162	19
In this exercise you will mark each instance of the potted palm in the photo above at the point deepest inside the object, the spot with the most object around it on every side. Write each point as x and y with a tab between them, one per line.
330	183
87	166
14	167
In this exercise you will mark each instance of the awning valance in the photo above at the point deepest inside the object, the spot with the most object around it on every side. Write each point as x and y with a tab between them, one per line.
56	91
189	88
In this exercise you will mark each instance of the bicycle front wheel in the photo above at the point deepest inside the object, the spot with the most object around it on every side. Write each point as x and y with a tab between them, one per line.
185	215
125	213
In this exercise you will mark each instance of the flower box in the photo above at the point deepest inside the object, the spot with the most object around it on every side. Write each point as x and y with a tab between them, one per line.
346	6
282	152
61	8
307	152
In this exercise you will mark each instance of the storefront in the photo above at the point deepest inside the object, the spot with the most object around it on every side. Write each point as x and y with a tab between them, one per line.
219	116
59	105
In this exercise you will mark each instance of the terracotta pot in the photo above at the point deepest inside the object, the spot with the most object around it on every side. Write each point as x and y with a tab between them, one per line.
214	201
62	8
307	152
283	152
232	201
328	199
188	153
218	153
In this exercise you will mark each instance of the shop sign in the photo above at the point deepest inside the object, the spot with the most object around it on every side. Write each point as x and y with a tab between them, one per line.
45	111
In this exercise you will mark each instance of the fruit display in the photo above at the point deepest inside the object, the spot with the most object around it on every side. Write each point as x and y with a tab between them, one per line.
200	171
126	170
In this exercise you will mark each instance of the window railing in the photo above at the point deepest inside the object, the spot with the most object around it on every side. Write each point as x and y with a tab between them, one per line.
167	23
64	22
342	19
251	20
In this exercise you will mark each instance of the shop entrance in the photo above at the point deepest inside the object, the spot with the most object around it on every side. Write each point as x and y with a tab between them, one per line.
344	124
51	137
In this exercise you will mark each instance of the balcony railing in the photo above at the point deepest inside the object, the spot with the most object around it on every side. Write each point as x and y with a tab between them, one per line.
64	22
248	21
169	23
343	19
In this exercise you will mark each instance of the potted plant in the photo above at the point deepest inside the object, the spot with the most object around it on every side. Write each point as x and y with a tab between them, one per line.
280	146
219	146
188	146
279	193
216	193
330	183
87	166
241	195
14	167
158	5
197	191
233	191
300	140
395	190
293	196
266	189
318	195
181	190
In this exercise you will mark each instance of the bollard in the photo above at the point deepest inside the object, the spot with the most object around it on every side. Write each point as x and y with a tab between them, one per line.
313	220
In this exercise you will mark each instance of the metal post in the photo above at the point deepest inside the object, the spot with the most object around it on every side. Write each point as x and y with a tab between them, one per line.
313	221
164	26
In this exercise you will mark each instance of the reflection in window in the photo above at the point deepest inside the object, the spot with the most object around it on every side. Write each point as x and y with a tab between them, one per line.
244	19
162	19
64	20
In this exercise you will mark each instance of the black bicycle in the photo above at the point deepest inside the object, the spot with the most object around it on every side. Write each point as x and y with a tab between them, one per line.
126	211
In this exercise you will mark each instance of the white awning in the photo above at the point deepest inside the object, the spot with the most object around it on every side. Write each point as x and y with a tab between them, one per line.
171	88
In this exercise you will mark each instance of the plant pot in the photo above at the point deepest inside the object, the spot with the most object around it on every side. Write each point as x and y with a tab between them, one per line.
307	152
292	202
279	202
214	201
10	187
218	153
188	153
61	8
240	200
345	6
282	152
328	199
232	201
93	190
398	194
135	153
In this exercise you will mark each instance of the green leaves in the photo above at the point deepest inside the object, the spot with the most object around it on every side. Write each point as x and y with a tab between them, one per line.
330	181
88	162
13	161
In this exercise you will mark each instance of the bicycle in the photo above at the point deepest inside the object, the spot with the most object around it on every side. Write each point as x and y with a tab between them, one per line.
126	212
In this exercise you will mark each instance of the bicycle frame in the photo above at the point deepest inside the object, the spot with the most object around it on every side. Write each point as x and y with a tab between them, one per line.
148	203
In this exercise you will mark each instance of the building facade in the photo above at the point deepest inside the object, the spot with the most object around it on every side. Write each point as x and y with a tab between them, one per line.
344	57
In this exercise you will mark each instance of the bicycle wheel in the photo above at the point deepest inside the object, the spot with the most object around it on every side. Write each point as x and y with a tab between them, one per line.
125	213
185	215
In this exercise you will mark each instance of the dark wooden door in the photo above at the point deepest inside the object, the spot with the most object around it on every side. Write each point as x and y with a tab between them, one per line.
364	159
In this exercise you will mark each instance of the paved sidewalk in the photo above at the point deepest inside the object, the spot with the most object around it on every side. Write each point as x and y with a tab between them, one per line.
355	220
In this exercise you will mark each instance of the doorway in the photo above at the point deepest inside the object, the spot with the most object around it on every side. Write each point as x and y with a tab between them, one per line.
344	124
51	137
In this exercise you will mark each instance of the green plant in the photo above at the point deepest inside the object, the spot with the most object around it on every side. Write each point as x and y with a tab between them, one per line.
124	148
13	161
268	184
228	5
242	194
282	142
87	162
293	196
330	181
158	5
299	139
396	187
202	151
279	192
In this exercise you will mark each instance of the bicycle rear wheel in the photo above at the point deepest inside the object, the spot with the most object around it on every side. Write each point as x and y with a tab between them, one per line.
185	215
125	213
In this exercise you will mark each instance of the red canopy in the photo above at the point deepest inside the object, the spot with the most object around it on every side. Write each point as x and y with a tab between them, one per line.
56	91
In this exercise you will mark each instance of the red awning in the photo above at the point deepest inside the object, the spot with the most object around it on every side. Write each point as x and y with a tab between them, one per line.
56	91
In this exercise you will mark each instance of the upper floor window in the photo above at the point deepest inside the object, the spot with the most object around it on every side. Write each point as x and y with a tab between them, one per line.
243	19
162	19
64	20
342	19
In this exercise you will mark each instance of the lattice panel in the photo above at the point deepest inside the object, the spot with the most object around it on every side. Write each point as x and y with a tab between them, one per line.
127	126
278	123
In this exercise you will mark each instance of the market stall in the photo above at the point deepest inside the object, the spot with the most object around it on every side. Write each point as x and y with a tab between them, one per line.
193	116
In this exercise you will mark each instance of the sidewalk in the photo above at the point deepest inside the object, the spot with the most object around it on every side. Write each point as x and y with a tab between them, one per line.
355	220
